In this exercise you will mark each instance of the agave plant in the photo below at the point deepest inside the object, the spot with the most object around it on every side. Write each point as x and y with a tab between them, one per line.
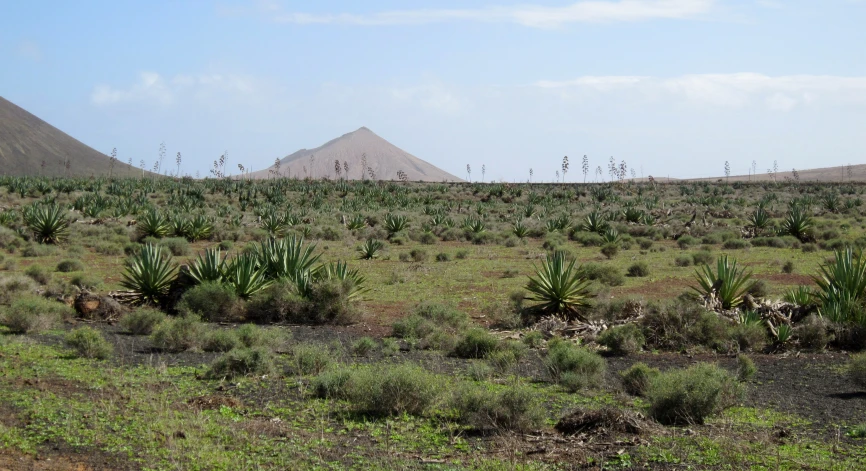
395	223
48	223
784	333
286	258
559	287
842	287
246	277
633	215
519	229
750	318
797	224
474	225
199	228
595	222
274	223
357	221
209	267
727	283
370	249
760	220
800	296
340	271
153	224
149	275
179	226
831	202
610	236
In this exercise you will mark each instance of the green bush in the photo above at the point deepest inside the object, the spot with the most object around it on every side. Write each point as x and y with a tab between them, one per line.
680	325
15	286
443	257
85	281
636	379
332	383
749	336
88	342
533	339
66	266
857	369
736	244
178	334
252	336
638	270
213	302
434	324
279	302
476	343
574	367
310	358
462	254
363	346
703	257
623	340
813	333
689	396
242	362
39	274
746	368
142	320
33	314
178	246
514	408
610	250
604	274
393	390
220	340
687	241
330	303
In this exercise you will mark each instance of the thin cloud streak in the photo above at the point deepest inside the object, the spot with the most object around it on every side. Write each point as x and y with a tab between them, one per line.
781	93
533	16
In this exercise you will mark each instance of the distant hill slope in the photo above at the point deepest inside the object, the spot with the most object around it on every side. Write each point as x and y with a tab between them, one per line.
384	158
827	174
26	141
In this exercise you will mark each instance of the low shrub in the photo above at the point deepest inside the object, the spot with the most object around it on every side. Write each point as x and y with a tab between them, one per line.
178	334
813	333
220	340
746	368
462	254
33	314
252	336
857	369
178	246
279	302
623	340
638	270
749	336
363	346
85	281
39	274
88	342
703	257
242	362
418	255
393	390
610	250
14	286
689	396
533	339
759	289
310	358
70	265
687	241
574	367
514	408
736	244
604	274
636	379
679	325
213	302
476	343
788	267
443	257
332	383
329	303
142	321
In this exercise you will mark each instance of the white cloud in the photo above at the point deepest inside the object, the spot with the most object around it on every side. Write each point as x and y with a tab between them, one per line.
781	93
152	88
535	16
433	96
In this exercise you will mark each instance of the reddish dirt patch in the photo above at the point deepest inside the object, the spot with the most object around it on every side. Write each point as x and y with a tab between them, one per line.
61	459
788	279
65	388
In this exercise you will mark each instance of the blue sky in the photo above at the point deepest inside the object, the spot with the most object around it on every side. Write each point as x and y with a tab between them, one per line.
673	87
